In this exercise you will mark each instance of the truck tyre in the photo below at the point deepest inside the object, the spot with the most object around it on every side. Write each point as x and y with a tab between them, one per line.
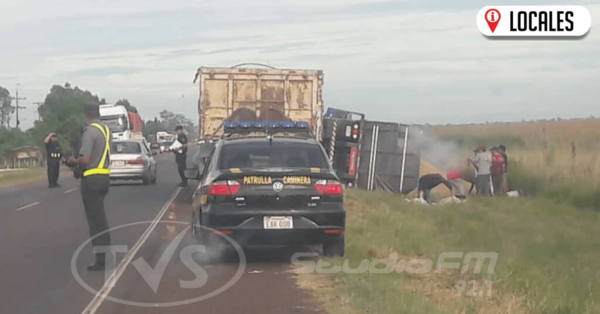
334	247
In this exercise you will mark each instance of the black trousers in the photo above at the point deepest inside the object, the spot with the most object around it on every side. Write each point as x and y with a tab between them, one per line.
498	183
181	160
93	191
53	170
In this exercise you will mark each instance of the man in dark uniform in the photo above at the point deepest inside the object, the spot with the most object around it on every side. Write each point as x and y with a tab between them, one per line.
94	161
53	157
181	154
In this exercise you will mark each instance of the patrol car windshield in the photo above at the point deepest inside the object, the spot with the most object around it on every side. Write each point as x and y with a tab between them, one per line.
125	148
115	123
274	155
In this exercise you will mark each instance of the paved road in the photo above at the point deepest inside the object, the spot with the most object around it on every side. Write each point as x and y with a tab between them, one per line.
42	228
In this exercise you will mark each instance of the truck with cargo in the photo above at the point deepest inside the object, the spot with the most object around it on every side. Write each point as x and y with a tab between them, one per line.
117	119
136	126
258	94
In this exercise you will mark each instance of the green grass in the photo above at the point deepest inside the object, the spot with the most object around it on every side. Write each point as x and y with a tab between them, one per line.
18	176
576	192
548	253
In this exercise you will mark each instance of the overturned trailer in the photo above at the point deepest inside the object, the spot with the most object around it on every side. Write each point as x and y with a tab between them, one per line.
372	155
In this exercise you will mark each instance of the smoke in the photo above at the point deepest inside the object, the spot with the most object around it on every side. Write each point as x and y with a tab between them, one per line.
441	154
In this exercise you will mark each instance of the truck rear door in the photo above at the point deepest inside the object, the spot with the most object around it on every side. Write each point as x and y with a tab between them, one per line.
258	95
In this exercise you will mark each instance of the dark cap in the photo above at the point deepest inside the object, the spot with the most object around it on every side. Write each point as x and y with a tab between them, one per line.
91	109
179	127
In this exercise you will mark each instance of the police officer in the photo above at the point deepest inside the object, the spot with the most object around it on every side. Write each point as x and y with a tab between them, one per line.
94	161
53	157
181	155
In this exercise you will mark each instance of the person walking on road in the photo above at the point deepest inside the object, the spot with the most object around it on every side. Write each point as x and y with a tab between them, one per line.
482	164
94	161
181	155
53	158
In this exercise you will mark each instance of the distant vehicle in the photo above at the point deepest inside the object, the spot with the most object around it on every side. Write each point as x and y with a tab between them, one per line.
164	140
132	160
270	191
117	119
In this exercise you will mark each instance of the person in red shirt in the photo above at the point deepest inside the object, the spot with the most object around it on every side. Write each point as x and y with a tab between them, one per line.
454	178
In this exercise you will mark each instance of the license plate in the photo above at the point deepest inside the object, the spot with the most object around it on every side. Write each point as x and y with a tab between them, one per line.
274	222
118	163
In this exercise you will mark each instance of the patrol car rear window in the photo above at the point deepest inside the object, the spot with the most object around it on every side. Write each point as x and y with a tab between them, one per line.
126	148
275	155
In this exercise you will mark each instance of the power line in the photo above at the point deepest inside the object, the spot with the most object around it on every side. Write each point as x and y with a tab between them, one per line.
39	103
17	107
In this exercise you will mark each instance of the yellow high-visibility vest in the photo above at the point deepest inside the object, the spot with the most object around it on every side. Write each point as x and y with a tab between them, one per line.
100	169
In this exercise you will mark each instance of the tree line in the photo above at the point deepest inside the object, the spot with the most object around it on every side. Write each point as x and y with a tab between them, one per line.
61	112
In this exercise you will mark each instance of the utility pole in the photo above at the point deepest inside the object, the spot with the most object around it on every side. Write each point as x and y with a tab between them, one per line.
17	107
38	105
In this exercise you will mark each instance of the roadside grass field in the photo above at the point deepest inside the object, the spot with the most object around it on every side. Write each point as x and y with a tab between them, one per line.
20	176
547	257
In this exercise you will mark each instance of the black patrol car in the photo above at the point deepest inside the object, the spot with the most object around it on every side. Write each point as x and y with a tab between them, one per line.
271	191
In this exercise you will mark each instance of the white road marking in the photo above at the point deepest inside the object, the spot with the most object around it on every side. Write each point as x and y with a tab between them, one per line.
71	190
27	206
111	282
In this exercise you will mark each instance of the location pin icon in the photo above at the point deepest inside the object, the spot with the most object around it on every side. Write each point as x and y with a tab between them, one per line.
492	17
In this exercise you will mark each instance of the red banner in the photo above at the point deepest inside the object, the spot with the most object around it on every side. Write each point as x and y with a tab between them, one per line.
352	160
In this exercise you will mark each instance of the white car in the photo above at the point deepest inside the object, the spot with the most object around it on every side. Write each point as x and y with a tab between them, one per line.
132	160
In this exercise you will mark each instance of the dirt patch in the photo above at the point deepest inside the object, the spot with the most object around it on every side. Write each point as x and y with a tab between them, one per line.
323	287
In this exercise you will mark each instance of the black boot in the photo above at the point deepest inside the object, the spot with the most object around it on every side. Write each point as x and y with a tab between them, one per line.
99	265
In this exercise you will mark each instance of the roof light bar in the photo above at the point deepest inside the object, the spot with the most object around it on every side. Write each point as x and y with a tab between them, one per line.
232	127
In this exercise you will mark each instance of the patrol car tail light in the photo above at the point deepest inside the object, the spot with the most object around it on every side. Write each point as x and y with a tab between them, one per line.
220	188
329	187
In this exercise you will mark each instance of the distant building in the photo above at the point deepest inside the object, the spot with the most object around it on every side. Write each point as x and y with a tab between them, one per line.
27	156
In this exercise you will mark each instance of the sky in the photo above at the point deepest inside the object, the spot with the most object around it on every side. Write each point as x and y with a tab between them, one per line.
406	61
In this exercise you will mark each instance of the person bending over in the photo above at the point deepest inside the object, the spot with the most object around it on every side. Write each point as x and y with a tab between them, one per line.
430	181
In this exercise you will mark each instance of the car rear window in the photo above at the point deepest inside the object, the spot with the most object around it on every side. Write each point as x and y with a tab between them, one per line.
126	148
274	155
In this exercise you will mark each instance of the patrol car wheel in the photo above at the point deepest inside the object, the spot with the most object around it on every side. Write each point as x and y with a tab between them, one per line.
334	247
